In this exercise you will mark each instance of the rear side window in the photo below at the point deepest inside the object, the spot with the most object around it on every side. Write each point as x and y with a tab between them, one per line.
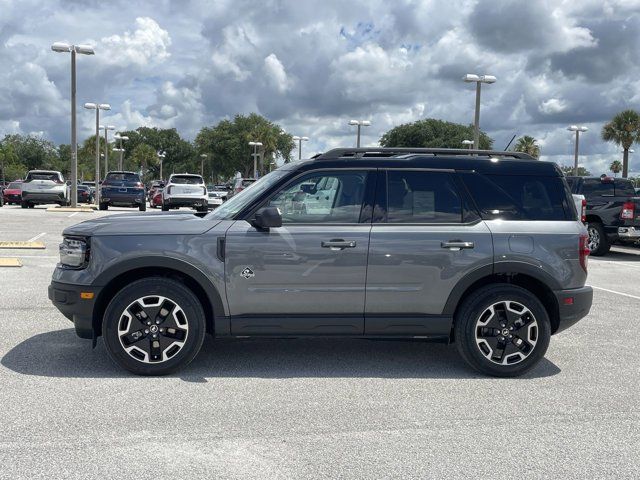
422	197
624	188
186	180
519	197
594	187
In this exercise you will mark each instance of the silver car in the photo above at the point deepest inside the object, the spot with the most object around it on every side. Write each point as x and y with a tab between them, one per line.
44	186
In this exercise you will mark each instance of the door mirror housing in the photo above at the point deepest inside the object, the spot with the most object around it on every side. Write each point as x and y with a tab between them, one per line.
267	217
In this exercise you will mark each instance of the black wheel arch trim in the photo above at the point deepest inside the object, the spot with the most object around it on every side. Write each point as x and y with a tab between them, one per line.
178	265
497	268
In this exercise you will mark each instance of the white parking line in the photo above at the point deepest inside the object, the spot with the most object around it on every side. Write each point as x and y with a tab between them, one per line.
618	293
40	235
73	214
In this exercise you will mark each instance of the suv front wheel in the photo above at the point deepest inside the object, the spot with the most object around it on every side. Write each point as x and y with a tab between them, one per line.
502	330
154	326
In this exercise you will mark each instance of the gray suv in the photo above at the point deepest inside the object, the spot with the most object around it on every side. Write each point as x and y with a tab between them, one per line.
480	248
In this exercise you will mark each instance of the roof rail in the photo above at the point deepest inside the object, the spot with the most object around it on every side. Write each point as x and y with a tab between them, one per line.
394	152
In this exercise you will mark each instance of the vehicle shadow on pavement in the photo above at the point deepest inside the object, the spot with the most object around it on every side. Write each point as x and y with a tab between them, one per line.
61	354
617	255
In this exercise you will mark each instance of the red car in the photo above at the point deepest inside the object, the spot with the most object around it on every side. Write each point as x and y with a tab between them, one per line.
156	199
12	195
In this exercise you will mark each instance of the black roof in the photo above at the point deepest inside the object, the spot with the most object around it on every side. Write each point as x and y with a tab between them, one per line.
484	161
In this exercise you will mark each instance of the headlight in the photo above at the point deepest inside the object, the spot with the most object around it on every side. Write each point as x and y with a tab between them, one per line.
74	252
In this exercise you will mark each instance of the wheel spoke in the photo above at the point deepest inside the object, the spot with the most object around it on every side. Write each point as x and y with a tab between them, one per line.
133	337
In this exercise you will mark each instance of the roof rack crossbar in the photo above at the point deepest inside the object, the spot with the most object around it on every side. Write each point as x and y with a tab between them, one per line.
392	152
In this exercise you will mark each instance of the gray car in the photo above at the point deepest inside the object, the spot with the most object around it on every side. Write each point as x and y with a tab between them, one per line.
480	248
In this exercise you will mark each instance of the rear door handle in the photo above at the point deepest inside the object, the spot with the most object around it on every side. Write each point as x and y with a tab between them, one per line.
338	244
456	244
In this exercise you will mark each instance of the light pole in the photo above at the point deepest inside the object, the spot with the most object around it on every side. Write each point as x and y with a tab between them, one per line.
120	138
203	157
360	124
161	154
97	107
300	140
106	146
478	79
61	47
577	129
468	143
255	146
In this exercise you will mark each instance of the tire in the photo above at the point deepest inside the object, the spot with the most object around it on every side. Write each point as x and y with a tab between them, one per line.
24	205
165	209
30	205
143	207
598	241
480	345
119	330
104	206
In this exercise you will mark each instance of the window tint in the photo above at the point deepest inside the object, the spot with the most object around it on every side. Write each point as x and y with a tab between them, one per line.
570	181
13	186
186	180
593	187
322	198
624	188
53	177
122	177
422	197
519	197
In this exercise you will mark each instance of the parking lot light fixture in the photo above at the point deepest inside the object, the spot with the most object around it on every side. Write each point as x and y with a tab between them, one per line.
478	80
161	156
578	129
359	124
255	146
62	47
203	157
300	140
106	128
97	107
120	138
468	143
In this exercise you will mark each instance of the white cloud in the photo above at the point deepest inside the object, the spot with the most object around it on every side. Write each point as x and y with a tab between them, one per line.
147	45
276	73
552	105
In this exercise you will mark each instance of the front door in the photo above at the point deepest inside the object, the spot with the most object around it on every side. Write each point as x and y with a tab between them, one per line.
308	276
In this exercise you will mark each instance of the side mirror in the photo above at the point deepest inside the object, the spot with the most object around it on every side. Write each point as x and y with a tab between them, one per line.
267	217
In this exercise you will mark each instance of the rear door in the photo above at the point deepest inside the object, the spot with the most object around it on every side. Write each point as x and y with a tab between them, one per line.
308	276
424	240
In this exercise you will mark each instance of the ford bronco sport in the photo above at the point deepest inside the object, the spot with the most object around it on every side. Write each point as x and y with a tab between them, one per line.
480	248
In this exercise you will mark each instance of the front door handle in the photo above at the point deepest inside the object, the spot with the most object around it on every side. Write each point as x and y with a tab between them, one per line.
338	244
456	244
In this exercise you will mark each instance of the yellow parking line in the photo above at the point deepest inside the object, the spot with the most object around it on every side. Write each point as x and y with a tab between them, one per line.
10	262
23	245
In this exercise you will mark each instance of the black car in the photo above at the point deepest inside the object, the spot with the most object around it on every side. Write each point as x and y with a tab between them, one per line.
85	195
613	210
122	189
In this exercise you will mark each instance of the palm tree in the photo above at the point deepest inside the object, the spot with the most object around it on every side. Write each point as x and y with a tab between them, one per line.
615	167
527	144
624	131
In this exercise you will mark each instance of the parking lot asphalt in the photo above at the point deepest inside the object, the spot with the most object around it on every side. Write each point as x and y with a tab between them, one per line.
311	408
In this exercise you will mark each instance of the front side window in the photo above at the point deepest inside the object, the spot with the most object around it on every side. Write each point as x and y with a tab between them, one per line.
328	197
422	197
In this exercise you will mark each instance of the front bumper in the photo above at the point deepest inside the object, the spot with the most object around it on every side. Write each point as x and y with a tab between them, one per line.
67	299
629	233
573	305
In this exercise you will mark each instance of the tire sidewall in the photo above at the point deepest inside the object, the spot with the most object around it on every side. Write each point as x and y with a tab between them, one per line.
477	303
174	291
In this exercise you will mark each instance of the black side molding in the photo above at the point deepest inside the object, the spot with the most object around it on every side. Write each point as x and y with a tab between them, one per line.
220	248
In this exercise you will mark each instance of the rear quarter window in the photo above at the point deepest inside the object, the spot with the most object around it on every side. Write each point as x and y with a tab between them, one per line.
624	188
519	197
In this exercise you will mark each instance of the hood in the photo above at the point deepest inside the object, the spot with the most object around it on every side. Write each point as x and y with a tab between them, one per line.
175	223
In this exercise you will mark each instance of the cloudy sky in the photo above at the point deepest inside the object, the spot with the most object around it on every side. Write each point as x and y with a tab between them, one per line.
313	65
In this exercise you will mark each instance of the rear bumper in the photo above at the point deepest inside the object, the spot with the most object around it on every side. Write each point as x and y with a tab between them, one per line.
66	298
629	233
573	305
122	199
185	202
48	197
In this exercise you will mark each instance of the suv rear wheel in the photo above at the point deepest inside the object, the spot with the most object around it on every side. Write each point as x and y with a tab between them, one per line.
153	326
502	330
598	241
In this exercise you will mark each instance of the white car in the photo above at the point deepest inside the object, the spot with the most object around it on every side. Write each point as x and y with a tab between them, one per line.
185	190
44	186
218	194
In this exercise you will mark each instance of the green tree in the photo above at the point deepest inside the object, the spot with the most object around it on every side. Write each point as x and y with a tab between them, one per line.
10	167
624	131
143	159
615	167
432	133
527	144
228	144
582	171
32	152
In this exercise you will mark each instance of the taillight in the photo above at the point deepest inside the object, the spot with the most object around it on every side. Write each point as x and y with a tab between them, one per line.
627	212
583	250
205	190
168	190
583	213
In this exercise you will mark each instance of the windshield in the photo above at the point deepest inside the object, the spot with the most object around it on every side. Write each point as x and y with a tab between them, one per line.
186	180
13	186
228	209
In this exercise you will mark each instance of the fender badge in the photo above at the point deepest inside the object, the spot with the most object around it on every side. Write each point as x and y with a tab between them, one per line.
247	273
